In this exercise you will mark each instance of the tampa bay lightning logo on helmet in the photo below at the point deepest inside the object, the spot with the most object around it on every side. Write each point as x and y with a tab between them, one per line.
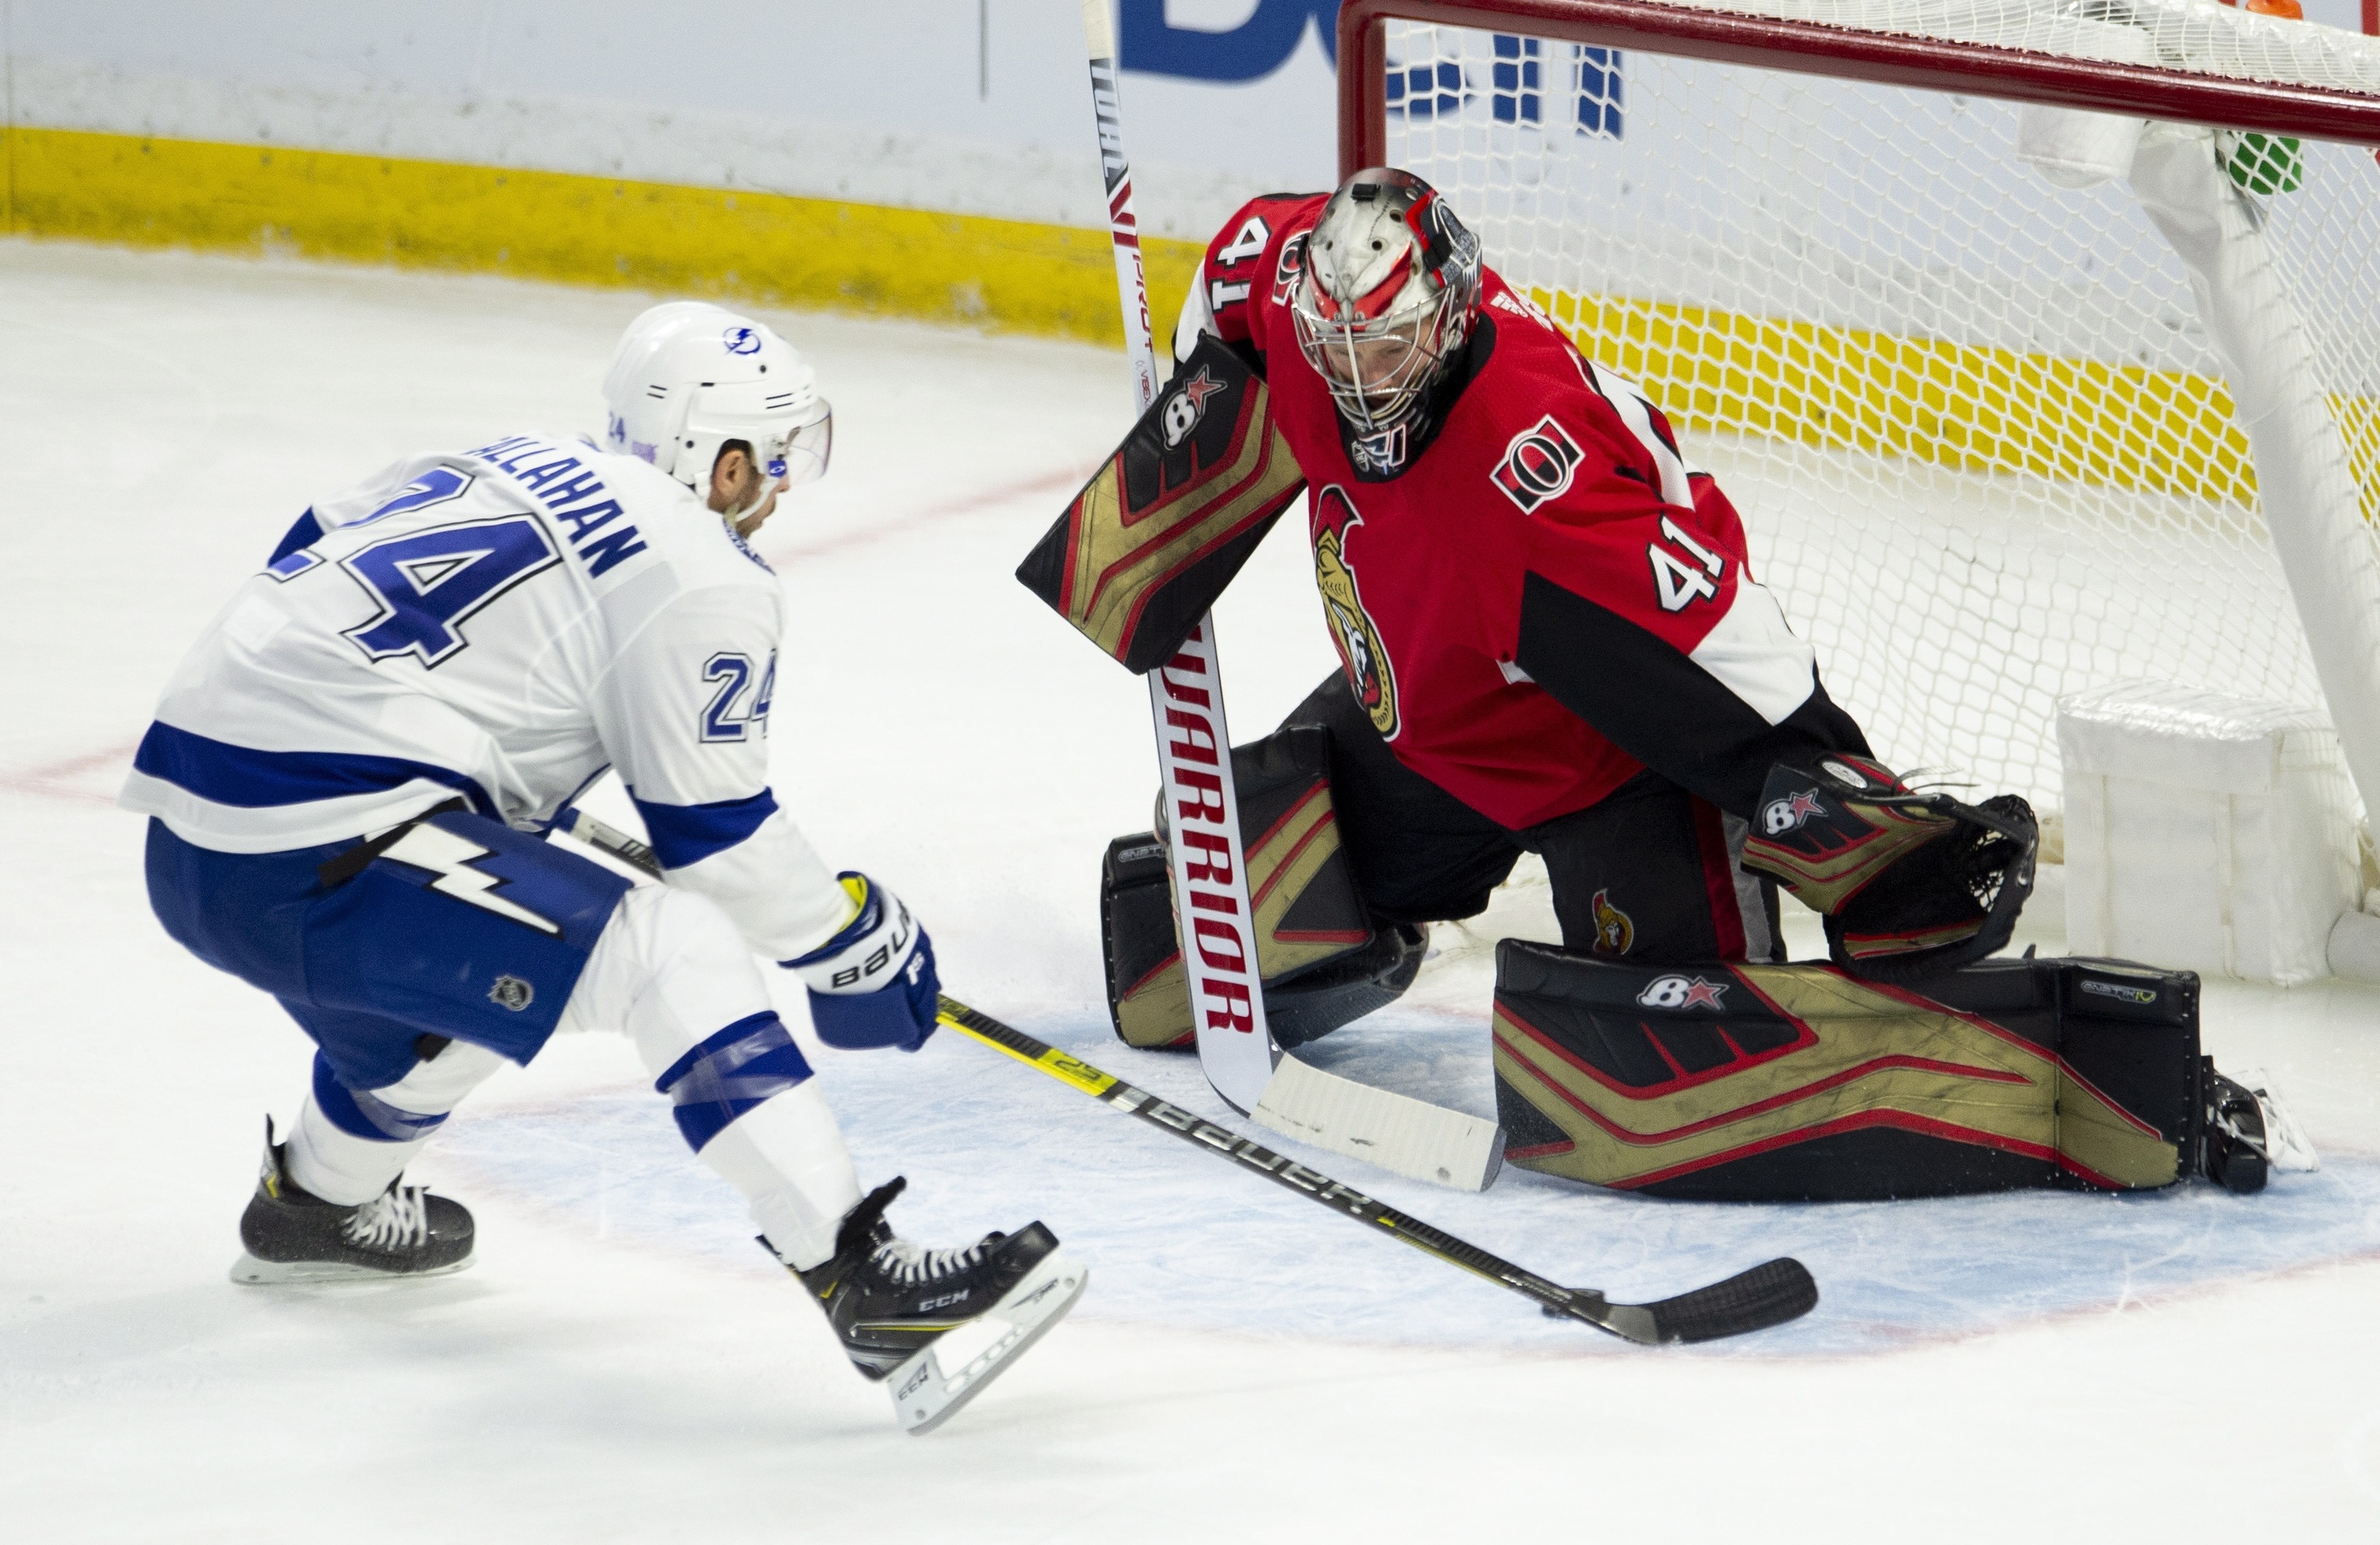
689	377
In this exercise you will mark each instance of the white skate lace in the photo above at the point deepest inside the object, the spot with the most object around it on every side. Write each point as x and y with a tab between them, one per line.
907	1265
396	1219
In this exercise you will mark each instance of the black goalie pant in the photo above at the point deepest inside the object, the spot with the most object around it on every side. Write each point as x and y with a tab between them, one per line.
1649	873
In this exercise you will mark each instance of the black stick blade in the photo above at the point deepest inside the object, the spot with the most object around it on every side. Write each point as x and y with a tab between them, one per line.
1769	1294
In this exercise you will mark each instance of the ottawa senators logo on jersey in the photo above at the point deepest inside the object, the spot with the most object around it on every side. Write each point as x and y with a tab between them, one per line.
1368	670
1288	266
1538	465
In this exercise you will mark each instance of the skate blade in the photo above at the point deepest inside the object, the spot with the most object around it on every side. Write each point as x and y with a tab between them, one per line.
924	1396
249	1272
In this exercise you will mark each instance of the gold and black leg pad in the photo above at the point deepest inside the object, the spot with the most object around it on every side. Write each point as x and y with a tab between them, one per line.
1802	1082
1325	963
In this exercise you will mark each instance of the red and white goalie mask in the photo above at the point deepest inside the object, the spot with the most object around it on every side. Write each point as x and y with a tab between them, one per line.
1391	289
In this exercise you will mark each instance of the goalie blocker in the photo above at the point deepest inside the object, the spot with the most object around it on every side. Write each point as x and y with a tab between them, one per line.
1324	960
1158	532
1746	1082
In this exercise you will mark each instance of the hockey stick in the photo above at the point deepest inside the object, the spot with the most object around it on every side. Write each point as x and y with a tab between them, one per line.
1769	1294
1236	1051
1185	700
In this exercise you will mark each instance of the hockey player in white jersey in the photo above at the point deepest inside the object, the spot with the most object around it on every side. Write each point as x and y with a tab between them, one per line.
350	778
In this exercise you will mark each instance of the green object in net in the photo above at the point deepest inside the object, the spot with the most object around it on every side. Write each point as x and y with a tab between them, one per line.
2265	163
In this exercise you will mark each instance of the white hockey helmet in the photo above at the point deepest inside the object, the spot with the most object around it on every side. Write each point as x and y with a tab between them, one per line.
1389	296
688	377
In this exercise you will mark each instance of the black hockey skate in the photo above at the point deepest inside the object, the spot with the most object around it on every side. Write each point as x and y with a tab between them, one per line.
294	1237
893	1305
2233	1149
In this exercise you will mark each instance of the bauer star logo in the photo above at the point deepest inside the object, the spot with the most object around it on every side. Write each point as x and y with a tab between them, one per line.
1200	387
1703	995
1803	807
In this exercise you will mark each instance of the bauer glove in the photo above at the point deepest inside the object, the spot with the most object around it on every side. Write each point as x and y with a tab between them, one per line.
1909	883
873	984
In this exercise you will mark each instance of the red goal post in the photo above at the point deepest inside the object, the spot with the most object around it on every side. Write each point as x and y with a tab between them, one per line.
1819	48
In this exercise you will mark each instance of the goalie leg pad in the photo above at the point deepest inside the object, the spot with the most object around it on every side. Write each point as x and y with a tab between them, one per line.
1150	1003
1321	1001
1760	1083
1322	960
1148	995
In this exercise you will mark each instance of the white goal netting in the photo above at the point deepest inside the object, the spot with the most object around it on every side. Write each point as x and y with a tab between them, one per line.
1980	438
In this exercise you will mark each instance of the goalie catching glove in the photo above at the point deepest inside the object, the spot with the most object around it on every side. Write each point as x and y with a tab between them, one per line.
1907	882
873	984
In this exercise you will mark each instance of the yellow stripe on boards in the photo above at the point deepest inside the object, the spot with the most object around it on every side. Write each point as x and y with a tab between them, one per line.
1973	408
1006	274
1965	406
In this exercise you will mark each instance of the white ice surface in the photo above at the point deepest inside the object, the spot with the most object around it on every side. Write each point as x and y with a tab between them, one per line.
624	1364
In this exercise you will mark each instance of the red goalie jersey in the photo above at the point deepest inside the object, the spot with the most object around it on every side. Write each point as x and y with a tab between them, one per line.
1533	593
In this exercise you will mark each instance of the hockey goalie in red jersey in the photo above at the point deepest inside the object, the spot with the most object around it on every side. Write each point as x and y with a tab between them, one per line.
1550	637
1552	641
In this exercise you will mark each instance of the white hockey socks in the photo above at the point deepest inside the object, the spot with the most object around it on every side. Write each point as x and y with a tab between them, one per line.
334	1164
674	975
787	1158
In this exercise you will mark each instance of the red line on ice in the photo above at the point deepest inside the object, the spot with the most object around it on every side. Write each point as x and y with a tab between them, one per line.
1042	482
50	781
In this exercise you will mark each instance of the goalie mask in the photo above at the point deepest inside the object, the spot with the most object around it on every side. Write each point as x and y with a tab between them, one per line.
688	377
1389	293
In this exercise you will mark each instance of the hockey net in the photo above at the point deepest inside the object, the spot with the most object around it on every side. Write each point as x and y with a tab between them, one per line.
1980	436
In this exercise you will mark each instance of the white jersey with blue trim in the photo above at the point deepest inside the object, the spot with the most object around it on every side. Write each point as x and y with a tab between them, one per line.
502	625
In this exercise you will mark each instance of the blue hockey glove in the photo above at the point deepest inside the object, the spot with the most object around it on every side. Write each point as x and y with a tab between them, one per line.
873	984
